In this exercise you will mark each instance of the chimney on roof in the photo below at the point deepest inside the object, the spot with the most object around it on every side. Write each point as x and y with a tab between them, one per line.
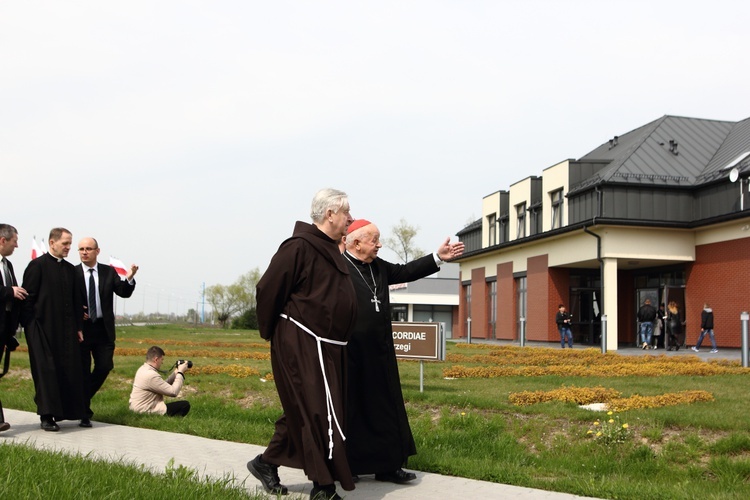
673	147
613	142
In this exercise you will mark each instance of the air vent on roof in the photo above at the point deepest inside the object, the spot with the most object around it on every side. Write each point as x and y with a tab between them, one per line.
613	142
673	147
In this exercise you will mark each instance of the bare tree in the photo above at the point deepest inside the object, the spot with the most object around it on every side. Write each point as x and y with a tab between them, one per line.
402	242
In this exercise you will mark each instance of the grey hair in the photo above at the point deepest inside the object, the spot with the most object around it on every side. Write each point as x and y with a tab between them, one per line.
326	199
7	231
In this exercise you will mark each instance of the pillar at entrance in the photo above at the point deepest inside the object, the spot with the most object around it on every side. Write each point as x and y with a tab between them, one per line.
610	301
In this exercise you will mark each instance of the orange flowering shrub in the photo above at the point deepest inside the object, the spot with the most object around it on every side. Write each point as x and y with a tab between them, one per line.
588	395
236	371
163	342
578	395
505	361
195	353
670	399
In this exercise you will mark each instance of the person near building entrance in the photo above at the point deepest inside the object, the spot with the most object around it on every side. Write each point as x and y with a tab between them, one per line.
646	316
658	337
674	326
707	327
379	439
562	318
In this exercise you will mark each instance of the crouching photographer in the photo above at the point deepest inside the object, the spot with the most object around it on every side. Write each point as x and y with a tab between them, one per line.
149	388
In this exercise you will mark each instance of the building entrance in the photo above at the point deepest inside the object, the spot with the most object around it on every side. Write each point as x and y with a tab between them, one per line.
585	313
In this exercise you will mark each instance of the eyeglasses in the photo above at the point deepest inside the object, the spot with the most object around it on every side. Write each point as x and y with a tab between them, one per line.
87	249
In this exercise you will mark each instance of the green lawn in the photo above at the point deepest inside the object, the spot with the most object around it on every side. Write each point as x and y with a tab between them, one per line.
465	427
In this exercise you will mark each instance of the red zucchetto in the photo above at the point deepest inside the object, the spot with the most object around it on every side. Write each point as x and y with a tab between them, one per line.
357	224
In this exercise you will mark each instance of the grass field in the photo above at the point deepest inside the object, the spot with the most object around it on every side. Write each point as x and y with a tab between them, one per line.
684	434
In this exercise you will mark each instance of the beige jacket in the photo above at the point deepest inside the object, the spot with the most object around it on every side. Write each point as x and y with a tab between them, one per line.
149	390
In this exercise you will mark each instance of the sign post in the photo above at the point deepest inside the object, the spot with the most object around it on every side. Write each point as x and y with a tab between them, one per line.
419	341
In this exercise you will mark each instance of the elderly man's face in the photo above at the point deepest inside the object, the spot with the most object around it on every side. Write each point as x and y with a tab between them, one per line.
341	220
369	245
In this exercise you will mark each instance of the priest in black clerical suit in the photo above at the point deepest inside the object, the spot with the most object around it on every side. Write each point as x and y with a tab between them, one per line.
52	319
99	331
379	439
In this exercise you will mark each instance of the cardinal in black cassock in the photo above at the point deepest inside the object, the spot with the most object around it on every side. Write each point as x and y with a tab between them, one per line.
379	439
52	318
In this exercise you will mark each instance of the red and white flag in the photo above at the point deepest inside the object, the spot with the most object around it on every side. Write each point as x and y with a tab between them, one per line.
36	250
118	266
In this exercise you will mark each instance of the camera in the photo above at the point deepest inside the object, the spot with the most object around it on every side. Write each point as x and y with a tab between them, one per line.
180	361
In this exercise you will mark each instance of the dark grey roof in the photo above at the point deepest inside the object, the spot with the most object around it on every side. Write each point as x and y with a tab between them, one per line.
644	156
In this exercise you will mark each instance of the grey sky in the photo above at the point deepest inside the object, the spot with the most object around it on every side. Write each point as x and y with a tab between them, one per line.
187	136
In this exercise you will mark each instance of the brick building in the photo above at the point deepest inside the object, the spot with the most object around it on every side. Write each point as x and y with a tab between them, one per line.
660	212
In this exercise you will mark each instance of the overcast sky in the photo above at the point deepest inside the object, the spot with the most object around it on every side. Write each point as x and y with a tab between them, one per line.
188	137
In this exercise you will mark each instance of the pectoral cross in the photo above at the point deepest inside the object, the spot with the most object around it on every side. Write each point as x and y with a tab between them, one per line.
375	300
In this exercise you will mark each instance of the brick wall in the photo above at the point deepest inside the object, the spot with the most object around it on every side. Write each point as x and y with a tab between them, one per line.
506	302
537	302
720	276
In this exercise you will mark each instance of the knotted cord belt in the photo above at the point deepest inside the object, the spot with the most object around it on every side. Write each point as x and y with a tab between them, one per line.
329	400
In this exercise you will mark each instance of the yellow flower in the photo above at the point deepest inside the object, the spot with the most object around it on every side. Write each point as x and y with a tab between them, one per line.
624	426
598	433
611	420
463	413
596	423
590	431
609	413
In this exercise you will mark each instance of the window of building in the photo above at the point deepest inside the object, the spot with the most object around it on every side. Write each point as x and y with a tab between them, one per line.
556	197
492	297
503	232
399	312
521	220
521	302
535	220
467	298
492	230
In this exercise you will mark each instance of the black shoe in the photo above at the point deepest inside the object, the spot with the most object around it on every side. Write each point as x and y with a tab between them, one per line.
355	478
399	476
4	426
49	425
324	493
85	422
268	475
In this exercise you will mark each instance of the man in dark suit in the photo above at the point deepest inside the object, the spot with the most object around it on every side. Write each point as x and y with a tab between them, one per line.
10	296
97	283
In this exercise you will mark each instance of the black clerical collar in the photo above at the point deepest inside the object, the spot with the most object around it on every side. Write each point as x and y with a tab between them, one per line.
353	259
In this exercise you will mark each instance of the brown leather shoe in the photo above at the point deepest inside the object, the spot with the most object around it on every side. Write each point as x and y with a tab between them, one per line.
4	426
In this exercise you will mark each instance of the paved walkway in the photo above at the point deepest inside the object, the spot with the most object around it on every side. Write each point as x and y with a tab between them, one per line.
222	459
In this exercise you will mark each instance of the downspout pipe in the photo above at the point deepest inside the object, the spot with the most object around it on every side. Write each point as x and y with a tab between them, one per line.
598	257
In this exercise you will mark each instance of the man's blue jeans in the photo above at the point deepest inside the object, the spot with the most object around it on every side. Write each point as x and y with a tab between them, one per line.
647	329
710	333
565	330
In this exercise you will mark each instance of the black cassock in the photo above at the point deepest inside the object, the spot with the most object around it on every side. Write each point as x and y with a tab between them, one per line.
378	437
52	315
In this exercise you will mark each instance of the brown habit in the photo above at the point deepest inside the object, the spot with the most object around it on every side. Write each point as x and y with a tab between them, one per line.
308	280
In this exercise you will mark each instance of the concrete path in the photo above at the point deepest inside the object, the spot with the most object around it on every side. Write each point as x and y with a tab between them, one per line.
222	459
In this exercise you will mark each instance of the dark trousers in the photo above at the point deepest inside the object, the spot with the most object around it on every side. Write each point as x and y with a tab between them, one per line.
97	346
178	408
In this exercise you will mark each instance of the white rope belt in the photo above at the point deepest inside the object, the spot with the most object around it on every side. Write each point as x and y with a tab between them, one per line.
329	400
